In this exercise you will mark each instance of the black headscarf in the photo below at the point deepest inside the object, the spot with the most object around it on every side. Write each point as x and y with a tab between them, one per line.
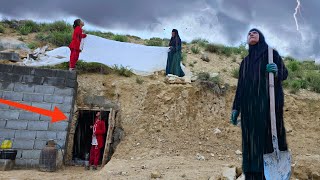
174	41
256	50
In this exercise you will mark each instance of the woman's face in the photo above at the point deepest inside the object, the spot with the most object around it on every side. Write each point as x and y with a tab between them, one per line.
98	114
253	37
81	23
173	34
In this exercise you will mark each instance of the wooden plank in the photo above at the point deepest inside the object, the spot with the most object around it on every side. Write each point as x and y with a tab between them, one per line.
109	136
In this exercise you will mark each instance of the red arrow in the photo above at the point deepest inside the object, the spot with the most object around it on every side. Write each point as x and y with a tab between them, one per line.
56	114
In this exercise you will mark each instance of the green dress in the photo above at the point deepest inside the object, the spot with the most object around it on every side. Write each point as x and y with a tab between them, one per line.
174	58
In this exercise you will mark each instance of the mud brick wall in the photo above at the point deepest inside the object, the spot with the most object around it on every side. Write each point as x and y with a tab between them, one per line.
43	88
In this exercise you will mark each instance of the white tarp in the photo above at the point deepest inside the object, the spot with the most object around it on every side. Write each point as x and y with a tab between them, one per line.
141	59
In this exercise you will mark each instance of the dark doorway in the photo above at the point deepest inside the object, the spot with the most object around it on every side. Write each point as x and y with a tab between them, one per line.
83	135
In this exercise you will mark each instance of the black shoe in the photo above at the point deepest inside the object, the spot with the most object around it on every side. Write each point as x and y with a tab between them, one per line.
87	167
94	167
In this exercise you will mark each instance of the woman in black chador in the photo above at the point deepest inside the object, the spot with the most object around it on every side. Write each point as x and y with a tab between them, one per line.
252	100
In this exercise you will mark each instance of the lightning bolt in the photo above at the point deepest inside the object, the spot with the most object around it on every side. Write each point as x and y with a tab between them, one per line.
295	14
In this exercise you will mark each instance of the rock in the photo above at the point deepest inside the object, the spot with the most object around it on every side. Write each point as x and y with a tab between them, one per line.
239	171
144	167
238	152
183	175
212	155
217	131
200	157
242	177
11	56
194	78
315	176
214	75
124	173
205	57
155	175
229	173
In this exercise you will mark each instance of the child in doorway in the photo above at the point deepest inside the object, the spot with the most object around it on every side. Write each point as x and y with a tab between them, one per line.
99	129
74	46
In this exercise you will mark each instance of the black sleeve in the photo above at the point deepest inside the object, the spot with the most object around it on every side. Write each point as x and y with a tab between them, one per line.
282	70
237	99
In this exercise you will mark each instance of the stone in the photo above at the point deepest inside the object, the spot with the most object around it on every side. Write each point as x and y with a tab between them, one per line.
13	96
238	152
217	131
38	125
205	57
155	175
229	173
16	124
11	56
200	157
241	177
239	171
18	87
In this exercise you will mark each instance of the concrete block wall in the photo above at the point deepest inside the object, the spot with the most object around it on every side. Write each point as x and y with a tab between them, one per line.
43	88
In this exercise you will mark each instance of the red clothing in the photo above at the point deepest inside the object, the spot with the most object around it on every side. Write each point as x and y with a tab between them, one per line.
99	129
94	156
76	38
74	56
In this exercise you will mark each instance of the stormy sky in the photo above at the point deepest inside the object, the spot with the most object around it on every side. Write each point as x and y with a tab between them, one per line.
219	21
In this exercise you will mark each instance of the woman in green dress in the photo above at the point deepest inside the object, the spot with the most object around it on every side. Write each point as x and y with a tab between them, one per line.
174	55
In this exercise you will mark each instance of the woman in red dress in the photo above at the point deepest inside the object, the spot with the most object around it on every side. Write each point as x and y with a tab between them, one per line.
74	46
99	130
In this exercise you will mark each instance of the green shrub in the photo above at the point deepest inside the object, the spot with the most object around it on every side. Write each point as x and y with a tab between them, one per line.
289	58
294	66
184	58
234	59
60	38
122	71
195	49
154	42
120	38
107	35
139	80
84	67
200	42
203	76
235	73
32	45
58	26
33	25
313	79
25	30
2	29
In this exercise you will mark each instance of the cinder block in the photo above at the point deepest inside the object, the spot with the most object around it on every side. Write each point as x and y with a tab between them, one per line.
18	87
45	118
44	89
25	135
54	81
7	68
71	83
53	99
40	144
38	125
17	124
64	91
11	56
19	154
24	115
46	106
3	106
3	123
45	72
21	70
1	92
46	135
9	114
61	143
31	154
13	96
6	86
9	77
6	133
66	74
30	79
32	97
59	126
22	144
66	108
21	102
68	100
27	163
62	135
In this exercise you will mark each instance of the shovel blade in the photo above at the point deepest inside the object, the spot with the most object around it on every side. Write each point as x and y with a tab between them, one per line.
277	169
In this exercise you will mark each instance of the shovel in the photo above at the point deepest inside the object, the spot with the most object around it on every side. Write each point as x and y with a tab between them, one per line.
277	165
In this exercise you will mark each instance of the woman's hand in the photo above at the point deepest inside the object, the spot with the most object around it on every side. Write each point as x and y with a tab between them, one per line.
272	68
234	117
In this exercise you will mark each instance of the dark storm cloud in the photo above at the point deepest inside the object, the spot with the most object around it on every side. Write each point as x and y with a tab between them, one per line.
234	16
